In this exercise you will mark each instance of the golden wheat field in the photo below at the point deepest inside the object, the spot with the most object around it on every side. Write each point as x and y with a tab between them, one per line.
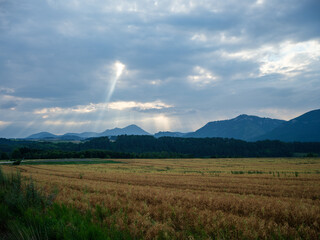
194	198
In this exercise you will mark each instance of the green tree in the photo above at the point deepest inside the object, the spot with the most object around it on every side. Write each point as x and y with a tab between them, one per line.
4	156
16	154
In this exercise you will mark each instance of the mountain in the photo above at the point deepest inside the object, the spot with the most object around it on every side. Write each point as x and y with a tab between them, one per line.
129	130
305	128
42	135
69	138
82	135
168	134
244	127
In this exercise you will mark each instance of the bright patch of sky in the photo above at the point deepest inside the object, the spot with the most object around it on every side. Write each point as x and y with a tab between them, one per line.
164	65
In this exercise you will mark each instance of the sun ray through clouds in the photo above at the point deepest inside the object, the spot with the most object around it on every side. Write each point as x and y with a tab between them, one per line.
117	70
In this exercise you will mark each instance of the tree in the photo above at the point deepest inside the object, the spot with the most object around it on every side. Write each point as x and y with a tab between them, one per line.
16	154
4	156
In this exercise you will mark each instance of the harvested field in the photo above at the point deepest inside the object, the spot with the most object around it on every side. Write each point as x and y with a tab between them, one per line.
193	198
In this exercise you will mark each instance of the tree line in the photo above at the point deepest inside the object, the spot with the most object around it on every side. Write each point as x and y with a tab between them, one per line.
150	147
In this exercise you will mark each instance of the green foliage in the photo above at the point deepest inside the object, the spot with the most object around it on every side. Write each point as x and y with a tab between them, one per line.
17	162
150	147
237	172
4	156
26	213
312	155
16	154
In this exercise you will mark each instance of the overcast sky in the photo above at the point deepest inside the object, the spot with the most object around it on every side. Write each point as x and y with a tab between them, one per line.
92	65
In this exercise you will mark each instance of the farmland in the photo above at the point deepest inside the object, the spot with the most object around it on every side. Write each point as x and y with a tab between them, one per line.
192	198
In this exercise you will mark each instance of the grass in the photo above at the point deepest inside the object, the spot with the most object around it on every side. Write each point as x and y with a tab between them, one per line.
262	198
27	213
66	162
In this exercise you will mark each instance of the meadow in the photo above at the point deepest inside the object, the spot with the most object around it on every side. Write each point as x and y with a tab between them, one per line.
236	198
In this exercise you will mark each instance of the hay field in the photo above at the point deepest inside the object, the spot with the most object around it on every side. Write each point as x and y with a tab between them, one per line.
193	198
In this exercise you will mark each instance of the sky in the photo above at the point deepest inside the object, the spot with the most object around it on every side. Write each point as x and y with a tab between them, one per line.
171	65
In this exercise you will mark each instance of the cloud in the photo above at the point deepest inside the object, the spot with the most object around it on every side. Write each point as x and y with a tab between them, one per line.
138	105
202	78
66	123
291	59
199	37
205	59
4	90
68	29
12	102
286	58
77	109
282	113
3	124
8	105
120	105
159	122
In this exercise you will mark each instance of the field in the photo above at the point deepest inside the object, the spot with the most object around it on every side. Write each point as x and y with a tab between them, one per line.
192	198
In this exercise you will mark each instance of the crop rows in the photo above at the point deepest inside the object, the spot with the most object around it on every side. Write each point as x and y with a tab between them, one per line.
194	198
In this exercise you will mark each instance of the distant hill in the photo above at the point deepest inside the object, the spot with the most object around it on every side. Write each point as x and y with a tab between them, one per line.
129	130
305	128
244	127
82	135
169	134
42	135
69	138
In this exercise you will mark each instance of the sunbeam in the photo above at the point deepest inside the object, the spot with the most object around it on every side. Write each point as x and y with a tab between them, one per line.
117	69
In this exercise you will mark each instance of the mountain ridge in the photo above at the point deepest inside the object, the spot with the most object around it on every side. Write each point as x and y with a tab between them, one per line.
305	127
128	130
243	127
42	135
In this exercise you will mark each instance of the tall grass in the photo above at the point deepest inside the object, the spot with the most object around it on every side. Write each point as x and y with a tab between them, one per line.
27	213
